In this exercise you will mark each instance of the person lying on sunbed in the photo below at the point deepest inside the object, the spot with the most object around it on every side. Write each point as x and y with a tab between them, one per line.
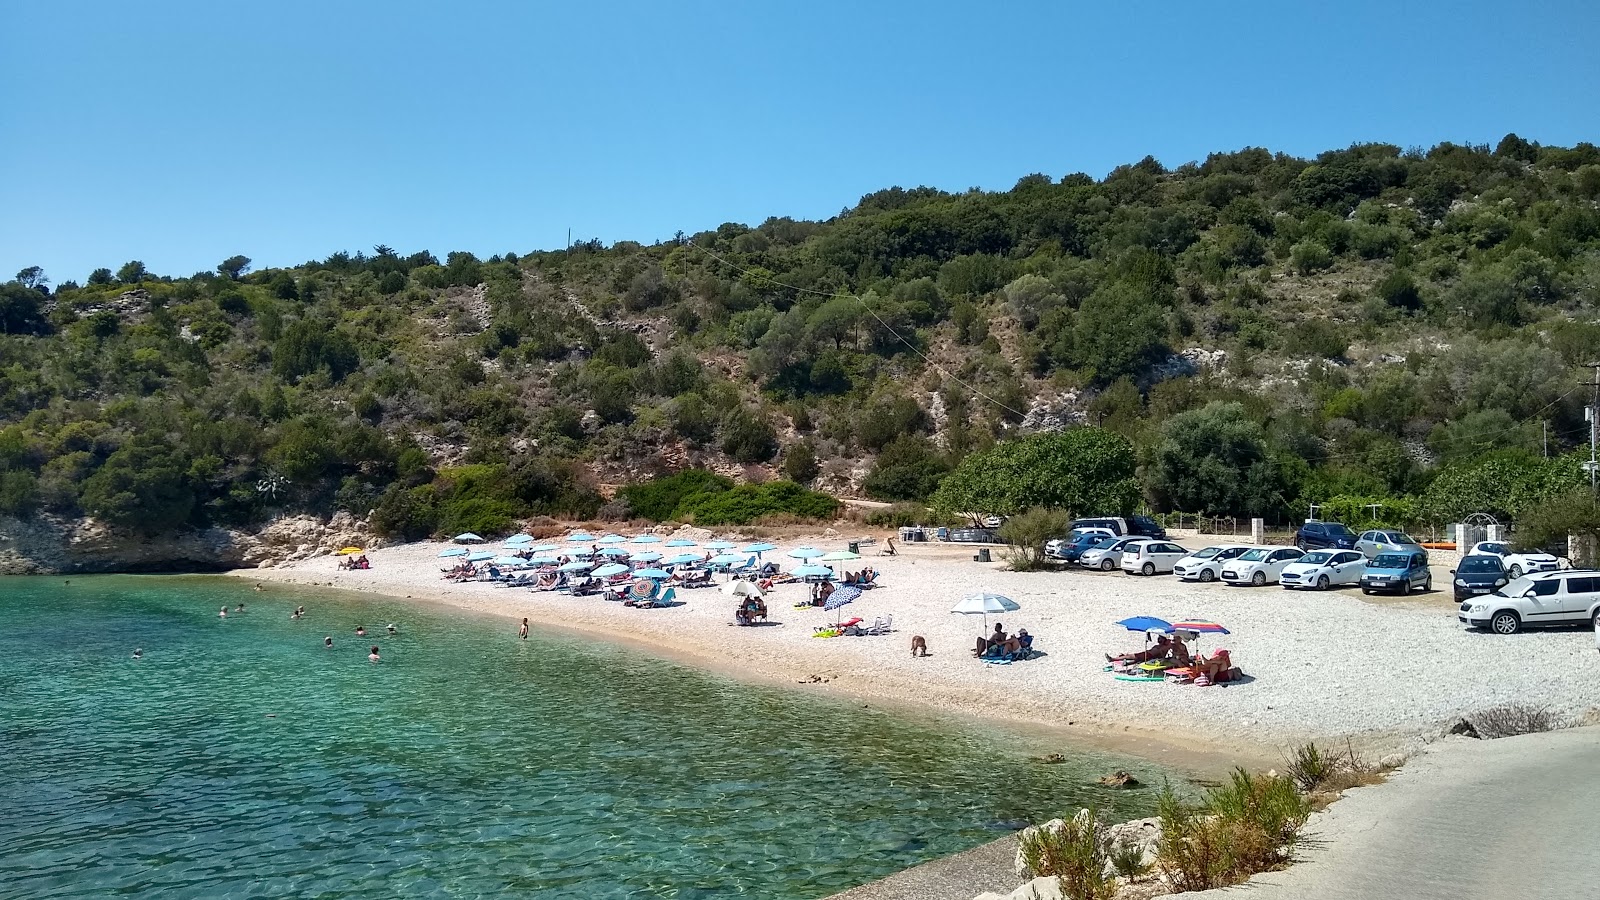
1214	669
1164	648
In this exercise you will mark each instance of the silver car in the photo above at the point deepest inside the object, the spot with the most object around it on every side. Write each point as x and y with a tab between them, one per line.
1385	540
1107	555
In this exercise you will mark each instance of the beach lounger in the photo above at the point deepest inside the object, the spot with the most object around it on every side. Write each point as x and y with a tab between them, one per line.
882	625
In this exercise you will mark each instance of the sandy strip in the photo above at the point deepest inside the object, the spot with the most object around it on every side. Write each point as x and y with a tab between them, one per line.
1331	666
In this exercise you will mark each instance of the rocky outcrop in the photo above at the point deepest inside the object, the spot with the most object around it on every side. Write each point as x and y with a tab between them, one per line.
51	545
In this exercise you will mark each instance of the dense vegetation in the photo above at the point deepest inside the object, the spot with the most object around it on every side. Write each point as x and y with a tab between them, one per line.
1387	320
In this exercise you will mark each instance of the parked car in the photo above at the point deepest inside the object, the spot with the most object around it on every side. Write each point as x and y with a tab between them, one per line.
1517	564
1385	540
1072	546
1150	557
993	521
1544	598
1132	526
1107	554
1402	572
1260	565
1322	569
1206	565
1324	536
1478	574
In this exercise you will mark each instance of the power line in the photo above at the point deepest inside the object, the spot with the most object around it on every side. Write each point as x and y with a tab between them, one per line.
870	311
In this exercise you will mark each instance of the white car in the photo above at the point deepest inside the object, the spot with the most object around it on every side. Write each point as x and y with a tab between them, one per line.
1150	557
1259	566
1517	564
1107	554
1547	598
1206	565
1322	569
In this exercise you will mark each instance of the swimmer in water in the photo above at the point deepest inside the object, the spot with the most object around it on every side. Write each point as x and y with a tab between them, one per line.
223	614
361	631
373	656
393	630
138	653
523	631
327	642
259	587
240	609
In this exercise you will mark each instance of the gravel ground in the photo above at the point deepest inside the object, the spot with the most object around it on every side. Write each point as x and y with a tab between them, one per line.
1332	665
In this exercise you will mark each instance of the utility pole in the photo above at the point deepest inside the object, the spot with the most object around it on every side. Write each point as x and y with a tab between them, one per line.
1593	415
1546	426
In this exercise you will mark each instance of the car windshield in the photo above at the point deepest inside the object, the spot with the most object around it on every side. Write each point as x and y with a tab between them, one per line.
1391	561
1516	588
1398	537
1480	565
1321	556
1338	530
1254	555
1207	553
1107	543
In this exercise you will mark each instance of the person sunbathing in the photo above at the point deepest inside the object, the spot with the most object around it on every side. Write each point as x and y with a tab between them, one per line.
1164	648
996	638
1214	669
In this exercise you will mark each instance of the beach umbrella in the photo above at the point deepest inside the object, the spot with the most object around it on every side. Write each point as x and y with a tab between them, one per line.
681	558
542	561
644	589
544	548
580	536
680	542
718	545
727	559
805	553
758	549
610	569
983	604
520	539
349	550
1199	627
467	538
614	552
1147	624
453	551
647	556
812	572
839	598
741	588
652	573
509	561
840	556
646	539
480	556
611	539
577	567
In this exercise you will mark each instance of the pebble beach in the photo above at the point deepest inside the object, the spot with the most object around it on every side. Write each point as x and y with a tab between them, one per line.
1385	674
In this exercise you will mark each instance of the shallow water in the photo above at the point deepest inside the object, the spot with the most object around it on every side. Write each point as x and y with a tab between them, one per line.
239	758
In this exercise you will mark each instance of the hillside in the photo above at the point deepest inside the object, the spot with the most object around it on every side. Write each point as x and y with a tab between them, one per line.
1266	331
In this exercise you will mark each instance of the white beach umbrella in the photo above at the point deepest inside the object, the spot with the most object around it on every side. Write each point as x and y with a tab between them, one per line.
741	588
984	603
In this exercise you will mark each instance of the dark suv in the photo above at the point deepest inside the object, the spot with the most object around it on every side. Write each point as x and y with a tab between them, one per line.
1144	526
1324	536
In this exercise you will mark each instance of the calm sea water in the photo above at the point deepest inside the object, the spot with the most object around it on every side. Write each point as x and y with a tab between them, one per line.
239	758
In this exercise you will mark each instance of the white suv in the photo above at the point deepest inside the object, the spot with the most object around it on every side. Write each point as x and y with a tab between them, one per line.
1260	566
1547	598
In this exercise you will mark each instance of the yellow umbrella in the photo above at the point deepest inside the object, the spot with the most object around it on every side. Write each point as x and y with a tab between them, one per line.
349	550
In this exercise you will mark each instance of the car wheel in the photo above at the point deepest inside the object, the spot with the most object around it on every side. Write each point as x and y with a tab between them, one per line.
1301	545
1258	579
1505	622
1322	582
1107	565
1149	569
1515	572
1427	585
1206	575
1597	620
1405	586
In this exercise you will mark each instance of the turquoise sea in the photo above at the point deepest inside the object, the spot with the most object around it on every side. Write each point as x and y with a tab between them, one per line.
239	758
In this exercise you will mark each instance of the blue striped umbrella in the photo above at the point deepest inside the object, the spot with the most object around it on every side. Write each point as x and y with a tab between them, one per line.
840	597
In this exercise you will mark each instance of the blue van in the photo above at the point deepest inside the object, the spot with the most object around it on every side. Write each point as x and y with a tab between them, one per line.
1397	572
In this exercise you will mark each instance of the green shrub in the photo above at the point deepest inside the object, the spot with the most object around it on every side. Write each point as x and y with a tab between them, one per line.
1076	852
1242	827
800	463
1027	532
1308	257
749	502
659	499
901	515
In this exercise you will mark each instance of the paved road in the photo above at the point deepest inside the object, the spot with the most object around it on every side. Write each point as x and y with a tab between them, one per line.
1476	820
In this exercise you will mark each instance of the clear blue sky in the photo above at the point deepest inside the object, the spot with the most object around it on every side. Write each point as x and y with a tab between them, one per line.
180	133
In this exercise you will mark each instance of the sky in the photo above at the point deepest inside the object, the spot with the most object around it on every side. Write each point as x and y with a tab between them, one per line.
182	133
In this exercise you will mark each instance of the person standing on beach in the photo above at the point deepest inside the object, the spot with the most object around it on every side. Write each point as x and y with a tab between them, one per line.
523	631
